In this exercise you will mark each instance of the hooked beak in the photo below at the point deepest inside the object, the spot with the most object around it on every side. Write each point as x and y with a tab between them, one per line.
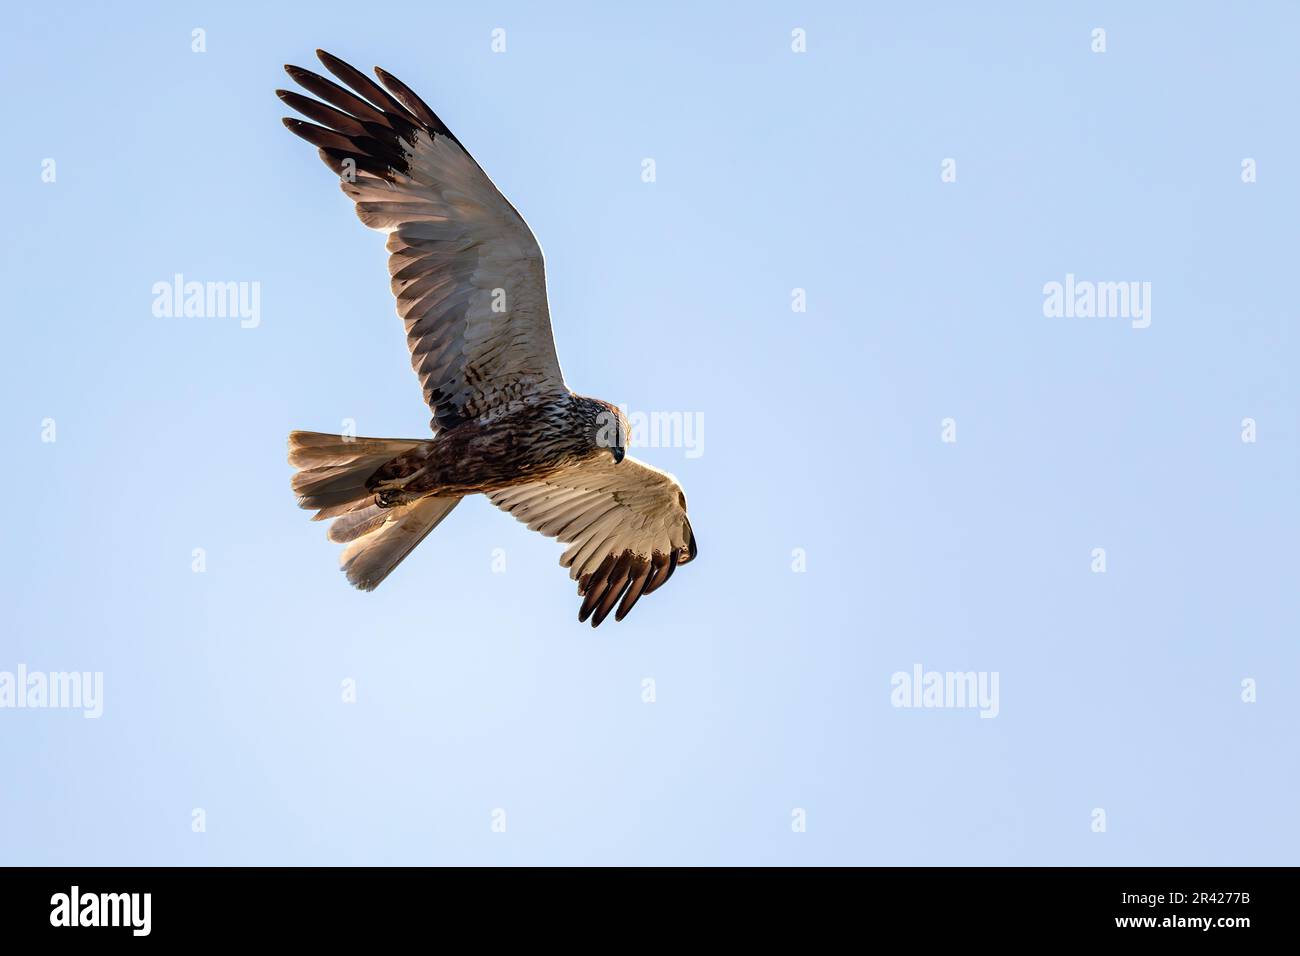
617	452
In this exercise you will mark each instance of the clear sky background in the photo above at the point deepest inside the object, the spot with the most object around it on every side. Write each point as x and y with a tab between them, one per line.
1119	691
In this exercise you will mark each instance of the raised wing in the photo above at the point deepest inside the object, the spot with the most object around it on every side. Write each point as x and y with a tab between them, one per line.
466	270
625	525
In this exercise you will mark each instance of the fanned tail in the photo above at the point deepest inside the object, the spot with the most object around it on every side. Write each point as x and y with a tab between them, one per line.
334	477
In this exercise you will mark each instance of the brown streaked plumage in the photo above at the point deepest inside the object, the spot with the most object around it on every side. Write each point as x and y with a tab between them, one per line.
470	285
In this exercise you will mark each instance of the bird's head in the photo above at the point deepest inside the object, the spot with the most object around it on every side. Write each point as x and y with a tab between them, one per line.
610	427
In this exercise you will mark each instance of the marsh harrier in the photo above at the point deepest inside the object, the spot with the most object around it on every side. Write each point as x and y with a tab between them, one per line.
471	290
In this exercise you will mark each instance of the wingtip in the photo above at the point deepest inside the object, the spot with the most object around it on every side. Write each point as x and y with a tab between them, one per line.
358	581
332	62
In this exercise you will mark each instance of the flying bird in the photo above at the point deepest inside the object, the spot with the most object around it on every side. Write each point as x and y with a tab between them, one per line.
471	289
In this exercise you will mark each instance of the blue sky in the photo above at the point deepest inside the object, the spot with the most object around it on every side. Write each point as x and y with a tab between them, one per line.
479	691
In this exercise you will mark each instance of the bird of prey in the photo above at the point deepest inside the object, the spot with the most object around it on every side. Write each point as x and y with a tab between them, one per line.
471	289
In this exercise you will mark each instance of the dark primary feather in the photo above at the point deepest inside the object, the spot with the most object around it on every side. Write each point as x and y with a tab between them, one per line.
346	101
362	84
363	116
663	566
417	106
318	135
626	577
323	113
